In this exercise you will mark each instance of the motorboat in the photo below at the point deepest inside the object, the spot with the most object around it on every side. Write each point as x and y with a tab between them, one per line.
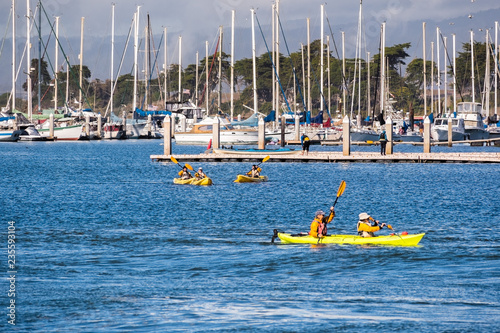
202	132
30	133
439	130
472	114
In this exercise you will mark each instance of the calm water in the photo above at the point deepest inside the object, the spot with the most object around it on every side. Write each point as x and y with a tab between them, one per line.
106	243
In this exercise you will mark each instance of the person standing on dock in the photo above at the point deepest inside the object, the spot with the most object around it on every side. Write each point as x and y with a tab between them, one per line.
365	227
383	142
305	142
184	173
318	225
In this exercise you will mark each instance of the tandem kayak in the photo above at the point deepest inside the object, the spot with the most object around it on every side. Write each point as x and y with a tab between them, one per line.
193	181
391	240
248	179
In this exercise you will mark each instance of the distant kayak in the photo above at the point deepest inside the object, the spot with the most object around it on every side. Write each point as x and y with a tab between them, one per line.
192	181
248	179
391	240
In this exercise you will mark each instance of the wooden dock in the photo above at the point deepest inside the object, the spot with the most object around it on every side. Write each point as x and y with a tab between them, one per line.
338	157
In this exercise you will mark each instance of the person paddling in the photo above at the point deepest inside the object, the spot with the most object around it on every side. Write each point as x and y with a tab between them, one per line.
318	225
365	226
200	174
255	172
184	173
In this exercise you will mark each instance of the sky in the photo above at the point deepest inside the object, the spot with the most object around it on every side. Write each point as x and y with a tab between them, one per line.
198	21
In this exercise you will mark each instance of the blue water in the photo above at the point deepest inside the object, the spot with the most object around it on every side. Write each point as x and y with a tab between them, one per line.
106	243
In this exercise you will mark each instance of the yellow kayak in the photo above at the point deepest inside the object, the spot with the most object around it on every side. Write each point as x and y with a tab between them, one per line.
183	181
390	240
204	181
248	179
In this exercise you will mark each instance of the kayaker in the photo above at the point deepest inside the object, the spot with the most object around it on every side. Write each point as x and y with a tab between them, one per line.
184	173
200	174
383	142
255	172
318	225
365	226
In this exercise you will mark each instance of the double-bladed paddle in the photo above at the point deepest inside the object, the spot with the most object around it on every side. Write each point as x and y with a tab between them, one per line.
186	165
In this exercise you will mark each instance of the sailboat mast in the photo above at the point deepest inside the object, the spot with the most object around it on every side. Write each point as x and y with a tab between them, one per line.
368	108
277	89
146	63
254	65
219	94
472	65
496	66
438	73
232	64
39	56
112	55
445	45
206	76
180	69
432	77
487	75
344	92
196	82
308	64
13	95
136	50
165	70
328	70
56	63
321	57
454	76
273	52
382	70
28	61
81	64
425	69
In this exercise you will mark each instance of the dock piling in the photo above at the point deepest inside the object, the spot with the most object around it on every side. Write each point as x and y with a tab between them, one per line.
427	135
389	131
216	133
262	133
167	136
346	136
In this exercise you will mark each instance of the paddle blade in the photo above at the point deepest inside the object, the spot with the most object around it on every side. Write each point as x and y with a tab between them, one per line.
390	227
266	158
189	167
174	160
341	189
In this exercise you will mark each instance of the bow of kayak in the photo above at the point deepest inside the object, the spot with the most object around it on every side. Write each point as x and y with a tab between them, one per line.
390	240
247	179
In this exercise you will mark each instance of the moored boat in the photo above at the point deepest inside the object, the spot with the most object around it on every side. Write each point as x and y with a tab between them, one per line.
248	179
389	240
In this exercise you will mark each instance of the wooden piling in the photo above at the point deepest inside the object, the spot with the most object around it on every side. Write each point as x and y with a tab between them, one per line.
262	133
427	135
99	126
51	125
216	133
297	128
346	136
167	137
388	130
